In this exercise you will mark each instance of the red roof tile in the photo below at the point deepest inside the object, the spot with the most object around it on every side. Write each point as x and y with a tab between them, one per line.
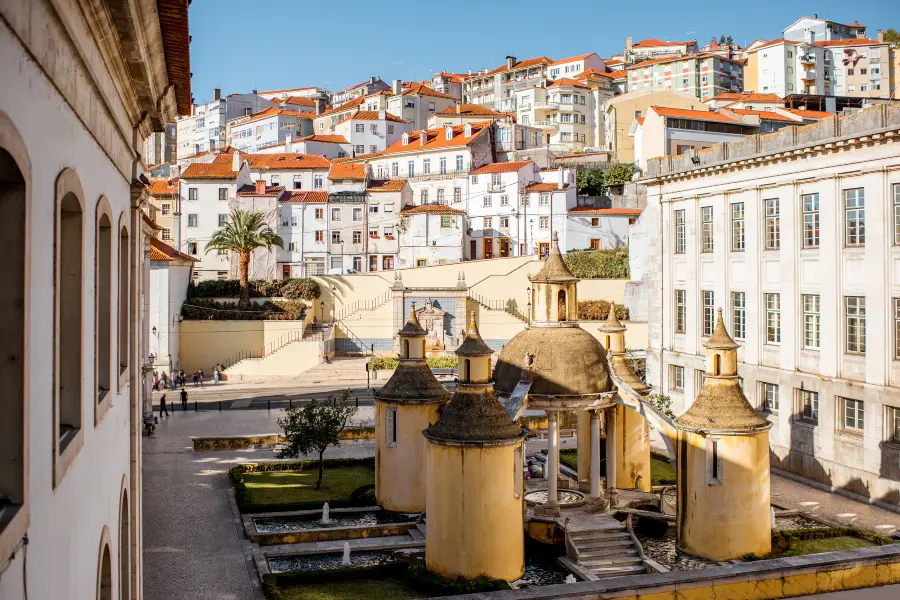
374	115
389	185
274	111
697	115
163	188
304	196
747	97
810	114
297	100
590	210
850	42
283	160
567	81
540	60
763	115
250	190
573	58
502	167
328	139
423	90
213	170
470	110
545	187
774	43
347	171
160	250
173	25
437	138
434	209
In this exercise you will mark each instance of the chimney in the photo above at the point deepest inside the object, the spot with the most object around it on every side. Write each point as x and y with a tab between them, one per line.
470	72
372	79
809	37
423	138
510	61
629	45
260	186
287	143
815	16
217	94
880	36
559	184
397	86
458	109
237	159
318	107
381	115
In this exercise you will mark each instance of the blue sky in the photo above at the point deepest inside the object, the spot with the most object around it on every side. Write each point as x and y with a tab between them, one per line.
273	44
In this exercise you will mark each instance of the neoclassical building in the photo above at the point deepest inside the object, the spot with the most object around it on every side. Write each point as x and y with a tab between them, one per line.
84	84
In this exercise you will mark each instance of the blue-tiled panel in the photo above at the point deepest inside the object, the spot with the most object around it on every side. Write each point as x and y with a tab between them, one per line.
353	345
448	305
496	344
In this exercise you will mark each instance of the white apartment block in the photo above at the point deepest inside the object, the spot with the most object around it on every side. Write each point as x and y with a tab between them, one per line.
170	275
205	129
654	48
574	66
290	171
326	146
784	67
802	251
431	234
417	103
564	112
450	84
75	286
859	68
372	85
497	88
269	128
822	30
327	121
369	131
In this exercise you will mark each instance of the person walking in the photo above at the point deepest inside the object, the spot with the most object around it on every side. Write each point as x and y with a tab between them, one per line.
200	376
216	374
183	399
162	406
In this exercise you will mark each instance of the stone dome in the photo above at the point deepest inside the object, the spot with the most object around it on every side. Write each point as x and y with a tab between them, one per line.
568	361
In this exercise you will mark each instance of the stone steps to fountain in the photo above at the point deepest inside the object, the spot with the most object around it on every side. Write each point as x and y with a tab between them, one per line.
610	561
617	552
602	544
607	572
598	536
605	548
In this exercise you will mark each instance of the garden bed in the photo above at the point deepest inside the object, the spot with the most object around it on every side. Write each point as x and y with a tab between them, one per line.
800	542
661	471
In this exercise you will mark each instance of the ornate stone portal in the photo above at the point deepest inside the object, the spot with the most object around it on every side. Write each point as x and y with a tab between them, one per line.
431	319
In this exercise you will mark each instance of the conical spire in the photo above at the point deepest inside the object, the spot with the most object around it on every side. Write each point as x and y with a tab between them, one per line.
473	345
720	340
612	324
412	327
554	269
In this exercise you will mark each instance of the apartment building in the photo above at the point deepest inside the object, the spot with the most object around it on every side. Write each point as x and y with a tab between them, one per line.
783	67
417	103
371	86
460	114
312	92
574	66
268	128
290	171
858	67
800	251
430	234
369	131
208	192
564	111
74	290
385	201
620	112
205	129
822	30
700	75
654	48
596	228
496	88
326	122
326	146
449	84
161	146
164	198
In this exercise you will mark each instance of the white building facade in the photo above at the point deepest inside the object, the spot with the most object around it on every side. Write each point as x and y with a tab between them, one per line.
205	129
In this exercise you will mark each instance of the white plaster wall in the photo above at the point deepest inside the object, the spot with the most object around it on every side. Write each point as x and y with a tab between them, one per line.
612	231
424	238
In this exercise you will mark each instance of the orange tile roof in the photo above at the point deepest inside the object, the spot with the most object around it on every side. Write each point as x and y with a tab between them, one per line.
432	209
763	114
747	97
661	59
285	160
540	60
573	58
592	73
273	111
501	167
545	187
286	90
301	196
389	185
618	74
590	210
347	171
774	42
345	106
850	42
567	81
213	170
297	100
163	188
640	120
250	190
453	77
374	115
423	90
436	138
470	110
697	115
810	114
329	139
160	250
653	43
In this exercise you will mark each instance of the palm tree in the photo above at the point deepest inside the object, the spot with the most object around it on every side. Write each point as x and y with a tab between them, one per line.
243	233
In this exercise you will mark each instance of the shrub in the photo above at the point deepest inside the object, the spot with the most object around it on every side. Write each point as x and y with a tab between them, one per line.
598	264
662	402
389	363
297	289
598	310
206	309
306	289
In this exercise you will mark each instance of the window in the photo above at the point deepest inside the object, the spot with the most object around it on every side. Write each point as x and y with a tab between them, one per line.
504	222
768	395
854	217
395	169
706	229
411	168
853	415
292	246
192	193
192	248
680	241
390	427
896	194
457	194
737	227
421	262
892	423
677	375
595	221
360	149
811	320
709	313
474	179
700	378
504	200
440	196
223	220
373	232
320	236
166	208
373	208
317	181
357	237
423	197
680	311
856	324
545	223
166	234
496	180
773	318
488	222
446	220
320	214
487	201
739	315
357	214
103	302
337	262
808	405
335	214
773	236
388	207
459	163
442	165
223	193
810	204
713	462
335	237
192	220
373	148
387	263
426	165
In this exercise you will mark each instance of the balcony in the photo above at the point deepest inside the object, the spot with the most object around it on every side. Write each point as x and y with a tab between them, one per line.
545	105
437	176
808	75
545	125
808	58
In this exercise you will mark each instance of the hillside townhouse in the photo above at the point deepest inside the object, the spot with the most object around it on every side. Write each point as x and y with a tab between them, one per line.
430	234
290	171
326	122
268	128
460	114
621	111
385	200
450	84
368	131
653	48
164	198
371	86
170	276
822	30
596	228
564	111
576	65
714	47
801	252
859	67
326	146
748	100
204	129
497	88
700	75
785	67
208	192
417	103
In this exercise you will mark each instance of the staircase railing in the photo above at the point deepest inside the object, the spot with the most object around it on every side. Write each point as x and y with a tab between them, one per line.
365	349
358	305
264	351
508	306
571	548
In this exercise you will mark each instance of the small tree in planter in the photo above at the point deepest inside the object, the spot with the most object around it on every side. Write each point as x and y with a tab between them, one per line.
315	427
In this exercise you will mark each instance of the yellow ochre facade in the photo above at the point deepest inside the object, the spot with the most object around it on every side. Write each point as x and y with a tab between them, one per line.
723	495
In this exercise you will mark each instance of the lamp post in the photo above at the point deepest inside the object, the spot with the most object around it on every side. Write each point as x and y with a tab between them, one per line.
333	301
322	306
531	228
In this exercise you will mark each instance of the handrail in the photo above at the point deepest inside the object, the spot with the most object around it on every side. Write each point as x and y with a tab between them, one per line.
637	543
271	347
354	307
571	548
353	336
508	306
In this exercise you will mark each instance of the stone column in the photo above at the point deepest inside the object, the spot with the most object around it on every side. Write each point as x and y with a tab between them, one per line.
552	504
611	458
585	456
595	454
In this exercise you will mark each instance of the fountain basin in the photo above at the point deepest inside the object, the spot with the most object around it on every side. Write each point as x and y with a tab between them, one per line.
566	498
295	527
328	561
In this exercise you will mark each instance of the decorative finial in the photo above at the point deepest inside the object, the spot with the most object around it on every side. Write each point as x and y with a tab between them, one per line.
473	325
412	311
720	339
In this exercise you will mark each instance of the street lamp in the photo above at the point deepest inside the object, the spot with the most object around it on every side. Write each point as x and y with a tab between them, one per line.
531	230
322	306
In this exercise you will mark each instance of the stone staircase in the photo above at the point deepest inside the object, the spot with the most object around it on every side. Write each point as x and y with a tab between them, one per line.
605	548
418	532
339	369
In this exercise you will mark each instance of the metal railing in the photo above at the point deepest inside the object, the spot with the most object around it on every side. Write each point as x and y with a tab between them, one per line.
271	347
509	306
366	351
358	305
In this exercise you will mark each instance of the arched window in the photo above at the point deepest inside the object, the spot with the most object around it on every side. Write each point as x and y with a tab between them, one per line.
103	266
124	297
104	580
124	550
561	306
405	348
13	206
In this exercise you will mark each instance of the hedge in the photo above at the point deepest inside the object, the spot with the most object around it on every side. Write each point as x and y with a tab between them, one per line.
389	363
206	309
292	288
598	310
598	264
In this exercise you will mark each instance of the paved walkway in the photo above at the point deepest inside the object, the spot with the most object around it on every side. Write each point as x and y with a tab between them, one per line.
192	547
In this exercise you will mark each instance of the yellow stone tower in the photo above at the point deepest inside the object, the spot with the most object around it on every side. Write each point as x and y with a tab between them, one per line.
408	403
723	463
474	474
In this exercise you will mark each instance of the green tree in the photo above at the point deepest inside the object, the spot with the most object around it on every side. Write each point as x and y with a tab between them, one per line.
662	402
243	233
617	174
589	182
315	427
722	39
892	37
729	41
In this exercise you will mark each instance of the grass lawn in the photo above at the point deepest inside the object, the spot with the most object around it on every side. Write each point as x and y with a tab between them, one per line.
370	589
844	542
288	487
660	470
